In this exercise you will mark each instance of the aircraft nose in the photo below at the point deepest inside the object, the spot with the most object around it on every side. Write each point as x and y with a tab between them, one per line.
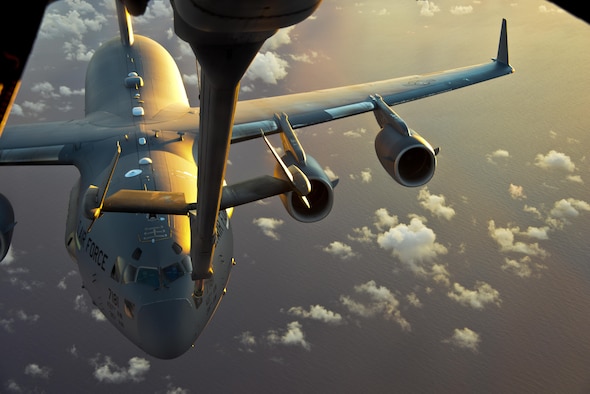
167	329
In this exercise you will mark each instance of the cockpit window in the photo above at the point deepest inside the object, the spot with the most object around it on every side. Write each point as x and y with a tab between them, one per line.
129	274
172	272
148	276
151	276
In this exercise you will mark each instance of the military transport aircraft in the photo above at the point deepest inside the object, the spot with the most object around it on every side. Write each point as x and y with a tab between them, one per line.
149	217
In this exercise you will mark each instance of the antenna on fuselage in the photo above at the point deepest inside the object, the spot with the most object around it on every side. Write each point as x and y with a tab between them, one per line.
125	27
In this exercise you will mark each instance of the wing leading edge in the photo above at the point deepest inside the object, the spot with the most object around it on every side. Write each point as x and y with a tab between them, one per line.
306	109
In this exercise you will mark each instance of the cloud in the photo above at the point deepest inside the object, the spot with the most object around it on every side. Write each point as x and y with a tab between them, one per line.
269	226
516	192
478	298
435	204
292	336
316	312
427	8
555	160
44	89
247	340
36	371
500	153
464	338
569	208
108	372
268	67
413	244
413	299
381	301
76	50
280	38
575	178
523	267
357	133
566	209
384	220
365	176
505	238
461	9
340	249
363	235
80	18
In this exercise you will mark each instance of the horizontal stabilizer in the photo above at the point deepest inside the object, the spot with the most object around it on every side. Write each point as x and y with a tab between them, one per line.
253	190
141	201
174	203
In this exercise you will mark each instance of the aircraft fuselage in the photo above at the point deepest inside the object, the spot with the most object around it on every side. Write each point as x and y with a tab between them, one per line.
136	267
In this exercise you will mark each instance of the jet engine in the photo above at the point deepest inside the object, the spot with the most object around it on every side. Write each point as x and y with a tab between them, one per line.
320	198
6	225
408	158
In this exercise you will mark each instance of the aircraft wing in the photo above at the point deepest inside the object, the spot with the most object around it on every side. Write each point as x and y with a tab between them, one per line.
49	143
306	109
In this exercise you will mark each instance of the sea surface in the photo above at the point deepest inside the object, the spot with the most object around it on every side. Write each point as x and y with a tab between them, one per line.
477	282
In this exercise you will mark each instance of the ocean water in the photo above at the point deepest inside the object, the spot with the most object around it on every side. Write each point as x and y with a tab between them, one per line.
493	297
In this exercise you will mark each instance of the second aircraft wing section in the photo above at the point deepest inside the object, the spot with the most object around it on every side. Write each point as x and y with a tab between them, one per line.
306	109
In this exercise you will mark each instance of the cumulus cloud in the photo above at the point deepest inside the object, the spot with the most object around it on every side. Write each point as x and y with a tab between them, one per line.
357	133
107	371
80	18
435	204
427	8
37	371
413	299
523	267
516	192
564	210
498	154
316	312
293	335
280	38
461	9
464	338
44	89
414	245
268	67
362	234
555	160
478	298
505	238
380	301
383	220
247	340
340	250
269	226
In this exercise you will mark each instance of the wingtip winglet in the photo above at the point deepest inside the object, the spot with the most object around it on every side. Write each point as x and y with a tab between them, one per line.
503	45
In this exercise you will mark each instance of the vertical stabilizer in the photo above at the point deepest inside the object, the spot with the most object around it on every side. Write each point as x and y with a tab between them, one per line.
503	45
125	27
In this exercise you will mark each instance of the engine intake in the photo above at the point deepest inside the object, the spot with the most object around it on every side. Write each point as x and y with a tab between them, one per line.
408	158
321	196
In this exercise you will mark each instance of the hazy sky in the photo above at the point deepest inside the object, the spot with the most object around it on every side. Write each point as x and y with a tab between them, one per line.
477	282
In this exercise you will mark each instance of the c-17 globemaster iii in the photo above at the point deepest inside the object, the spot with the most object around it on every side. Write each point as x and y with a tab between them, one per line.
149	217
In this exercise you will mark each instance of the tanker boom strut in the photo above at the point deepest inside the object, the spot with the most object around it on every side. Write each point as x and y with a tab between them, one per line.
224	56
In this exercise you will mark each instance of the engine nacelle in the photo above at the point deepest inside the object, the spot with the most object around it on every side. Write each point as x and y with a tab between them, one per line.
409	159
6	225
321	197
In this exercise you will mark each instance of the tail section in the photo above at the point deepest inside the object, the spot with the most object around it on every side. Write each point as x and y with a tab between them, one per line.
503	45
